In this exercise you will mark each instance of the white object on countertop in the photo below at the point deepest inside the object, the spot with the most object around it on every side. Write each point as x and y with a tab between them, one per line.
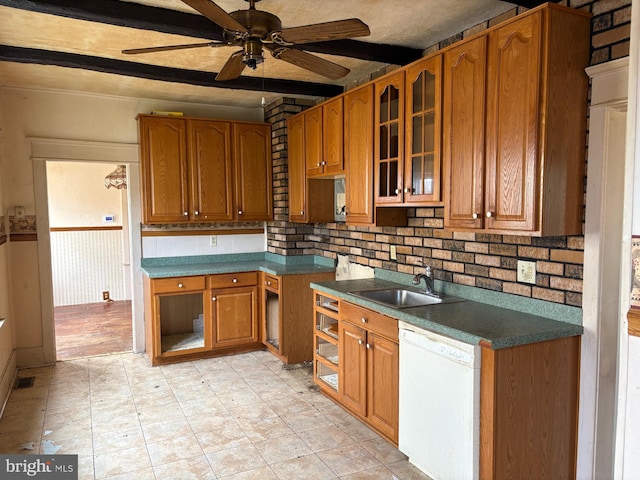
439	425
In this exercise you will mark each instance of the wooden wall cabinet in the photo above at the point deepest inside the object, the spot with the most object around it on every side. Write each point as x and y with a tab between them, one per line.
389	132
524	173
408	135
369	368
310	200
196	170
287	315
324	141
423	127
253	171
358	153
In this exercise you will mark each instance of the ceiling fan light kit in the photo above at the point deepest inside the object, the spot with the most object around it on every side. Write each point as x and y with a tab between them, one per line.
254	30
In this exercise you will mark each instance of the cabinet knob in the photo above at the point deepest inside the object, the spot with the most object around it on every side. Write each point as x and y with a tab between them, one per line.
318	164
364	320
359	342
475	215
213	299
196	213
489	214
186	214
180	285
301	212
235	280
407	190
239	212
269	283
324	163
397	191
368	345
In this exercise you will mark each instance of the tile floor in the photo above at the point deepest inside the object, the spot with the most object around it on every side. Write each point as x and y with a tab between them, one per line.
235	418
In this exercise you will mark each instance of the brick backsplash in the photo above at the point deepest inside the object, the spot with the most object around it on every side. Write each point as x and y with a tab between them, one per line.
477	259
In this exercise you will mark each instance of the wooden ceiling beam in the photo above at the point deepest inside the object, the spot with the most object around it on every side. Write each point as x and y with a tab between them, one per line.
133	15
531	3
163	74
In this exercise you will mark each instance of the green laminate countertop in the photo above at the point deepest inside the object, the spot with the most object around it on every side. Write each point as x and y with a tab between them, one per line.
213	264
468	321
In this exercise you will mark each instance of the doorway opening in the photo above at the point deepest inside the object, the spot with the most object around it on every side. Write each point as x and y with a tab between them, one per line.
90	264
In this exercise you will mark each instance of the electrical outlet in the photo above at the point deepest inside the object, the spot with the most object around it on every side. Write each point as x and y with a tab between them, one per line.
213	240
393	252
105	296
526	272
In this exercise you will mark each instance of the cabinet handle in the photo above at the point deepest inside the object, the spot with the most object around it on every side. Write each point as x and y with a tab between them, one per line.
180	285
318	164
269	283
324	163
489	214
196	213
407	190
359	342
213	299
186	214
368	346
239	212
235	280
364	320
301	212
397	191
475	215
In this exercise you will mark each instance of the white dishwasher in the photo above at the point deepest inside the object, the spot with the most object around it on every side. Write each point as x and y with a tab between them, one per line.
439	427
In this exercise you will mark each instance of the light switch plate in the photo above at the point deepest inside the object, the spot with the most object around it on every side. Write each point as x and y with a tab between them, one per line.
393	252
213	240
526	271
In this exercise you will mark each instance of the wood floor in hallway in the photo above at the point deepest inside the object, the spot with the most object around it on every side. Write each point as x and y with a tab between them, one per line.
93	329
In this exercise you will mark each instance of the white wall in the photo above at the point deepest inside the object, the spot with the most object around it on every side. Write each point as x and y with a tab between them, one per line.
180	246
78	197
7	357
63	115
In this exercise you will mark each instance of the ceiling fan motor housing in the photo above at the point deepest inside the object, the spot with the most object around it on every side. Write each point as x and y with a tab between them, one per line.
259	24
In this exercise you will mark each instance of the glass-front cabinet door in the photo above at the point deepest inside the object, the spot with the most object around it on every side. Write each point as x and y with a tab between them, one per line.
423	131
389	134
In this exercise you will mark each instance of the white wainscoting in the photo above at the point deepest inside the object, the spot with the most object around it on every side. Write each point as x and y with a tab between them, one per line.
86	263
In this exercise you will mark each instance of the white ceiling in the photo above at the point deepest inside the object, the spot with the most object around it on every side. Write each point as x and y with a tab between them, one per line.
417	24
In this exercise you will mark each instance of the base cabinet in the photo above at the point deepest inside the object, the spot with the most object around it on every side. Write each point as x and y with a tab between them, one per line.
529	410
199	316
287	312
356	361
235	319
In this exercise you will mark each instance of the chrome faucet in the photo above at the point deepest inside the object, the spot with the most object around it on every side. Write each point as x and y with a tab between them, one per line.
428	280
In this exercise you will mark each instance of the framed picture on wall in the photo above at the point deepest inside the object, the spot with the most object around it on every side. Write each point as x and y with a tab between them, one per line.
635	267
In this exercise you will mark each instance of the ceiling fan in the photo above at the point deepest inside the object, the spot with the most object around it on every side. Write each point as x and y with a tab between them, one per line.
254	30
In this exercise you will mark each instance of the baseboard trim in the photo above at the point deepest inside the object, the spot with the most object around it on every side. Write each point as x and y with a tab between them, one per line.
8	378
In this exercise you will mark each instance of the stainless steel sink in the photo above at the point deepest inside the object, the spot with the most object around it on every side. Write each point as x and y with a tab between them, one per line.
399	297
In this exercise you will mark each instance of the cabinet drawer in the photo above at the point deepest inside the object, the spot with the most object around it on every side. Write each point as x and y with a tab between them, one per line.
233	280
178	284
370	320
271	282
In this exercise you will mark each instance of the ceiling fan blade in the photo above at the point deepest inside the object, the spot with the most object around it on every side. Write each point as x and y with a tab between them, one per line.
233	68
321	32
310	62
132	51
216	14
